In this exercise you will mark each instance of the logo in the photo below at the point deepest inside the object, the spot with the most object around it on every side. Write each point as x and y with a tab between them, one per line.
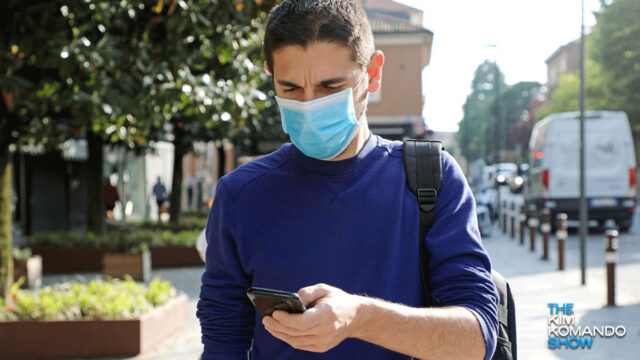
564	333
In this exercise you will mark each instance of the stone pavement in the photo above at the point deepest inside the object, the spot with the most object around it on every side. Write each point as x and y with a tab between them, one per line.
535	283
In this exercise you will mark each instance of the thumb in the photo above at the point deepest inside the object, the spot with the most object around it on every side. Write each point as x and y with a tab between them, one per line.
311	294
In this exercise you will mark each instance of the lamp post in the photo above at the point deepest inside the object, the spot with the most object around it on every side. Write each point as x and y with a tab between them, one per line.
583	201
497	131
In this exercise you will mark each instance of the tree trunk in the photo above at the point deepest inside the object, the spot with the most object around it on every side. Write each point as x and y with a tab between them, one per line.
222	160
6	254
95	206
176	184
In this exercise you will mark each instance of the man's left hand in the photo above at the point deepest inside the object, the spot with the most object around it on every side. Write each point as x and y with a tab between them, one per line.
322	327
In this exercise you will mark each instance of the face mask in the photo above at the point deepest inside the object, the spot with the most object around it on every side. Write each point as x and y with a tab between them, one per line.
321	128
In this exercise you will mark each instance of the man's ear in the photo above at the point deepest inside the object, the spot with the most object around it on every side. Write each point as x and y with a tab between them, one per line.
375	71
266	67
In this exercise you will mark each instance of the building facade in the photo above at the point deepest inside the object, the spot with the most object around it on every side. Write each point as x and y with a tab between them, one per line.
395	110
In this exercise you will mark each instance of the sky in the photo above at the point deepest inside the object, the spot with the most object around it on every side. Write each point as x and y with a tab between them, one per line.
525	33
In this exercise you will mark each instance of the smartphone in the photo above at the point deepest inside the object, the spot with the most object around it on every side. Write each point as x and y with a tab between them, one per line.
267	301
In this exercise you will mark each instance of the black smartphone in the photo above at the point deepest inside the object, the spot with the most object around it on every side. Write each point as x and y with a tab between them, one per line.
267	301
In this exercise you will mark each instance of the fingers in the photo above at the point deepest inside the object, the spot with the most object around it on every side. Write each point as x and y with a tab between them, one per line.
299	340
275	322
305	321
293	340
311	294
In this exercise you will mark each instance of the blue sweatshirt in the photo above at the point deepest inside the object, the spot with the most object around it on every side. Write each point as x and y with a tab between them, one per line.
286	221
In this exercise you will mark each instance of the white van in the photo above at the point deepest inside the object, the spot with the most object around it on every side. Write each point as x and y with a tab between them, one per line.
610	166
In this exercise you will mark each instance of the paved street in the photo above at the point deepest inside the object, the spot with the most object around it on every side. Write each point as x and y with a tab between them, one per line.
536	283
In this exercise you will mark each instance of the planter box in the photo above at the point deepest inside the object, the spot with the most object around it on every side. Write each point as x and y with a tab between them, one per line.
117	265
31	269
173	256
72	259
89	338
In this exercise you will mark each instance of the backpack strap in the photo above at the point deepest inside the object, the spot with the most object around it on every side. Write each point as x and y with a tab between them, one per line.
501	286
423	169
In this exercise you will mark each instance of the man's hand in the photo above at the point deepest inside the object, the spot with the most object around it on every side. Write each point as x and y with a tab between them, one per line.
321	328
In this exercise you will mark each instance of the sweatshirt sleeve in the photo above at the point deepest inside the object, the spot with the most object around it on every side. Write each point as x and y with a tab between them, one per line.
459	265
225	313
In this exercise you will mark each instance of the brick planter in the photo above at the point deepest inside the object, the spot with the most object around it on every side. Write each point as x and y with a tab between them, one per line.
31	269
174	256
117	265
88	338
72	259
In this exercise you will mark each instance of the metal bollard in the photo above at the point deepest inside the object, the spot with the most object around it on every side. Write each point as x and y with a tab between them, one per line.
504	217
523	221
561	235
611	257
546	229
533	226
512	228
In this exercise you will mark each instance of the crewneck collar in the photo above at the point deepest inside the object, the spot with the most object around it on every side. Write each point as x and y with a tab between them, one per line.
341	167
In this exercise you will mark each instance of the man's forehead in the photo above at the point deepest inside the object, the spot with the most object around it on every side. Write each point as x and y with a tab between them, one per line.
319	60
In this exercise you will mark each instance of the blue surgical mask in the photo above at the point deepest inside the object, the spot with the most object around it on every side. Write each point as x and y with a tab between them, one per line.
321	128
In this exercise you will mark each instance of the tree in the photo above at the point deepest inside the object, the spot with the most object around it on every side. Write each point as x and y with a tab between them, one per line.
489	118
566	95
202	72
126	73
515	120
477	133
616	49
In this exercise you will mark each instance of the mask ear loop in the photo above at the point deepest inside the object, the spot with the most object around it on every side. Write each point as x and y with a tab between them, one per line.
364	73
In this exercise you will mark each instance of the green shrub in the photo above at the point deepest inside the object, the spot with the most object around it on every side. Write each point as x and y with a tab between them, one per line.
99	299
183	238
196	213
133	240
64	239
21	254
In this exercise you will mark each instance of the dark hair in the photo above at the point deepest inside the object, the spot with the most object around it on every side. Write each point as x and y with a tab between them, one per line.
304	22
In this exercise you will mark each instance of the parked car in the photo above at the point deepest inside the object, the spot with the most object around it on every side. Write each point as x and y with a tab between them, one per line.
610	166
503	173
516	183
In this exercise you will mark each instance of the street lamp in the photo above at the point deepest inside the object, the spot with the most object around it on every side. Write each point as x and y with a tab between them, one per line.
583	200
496	89
497	132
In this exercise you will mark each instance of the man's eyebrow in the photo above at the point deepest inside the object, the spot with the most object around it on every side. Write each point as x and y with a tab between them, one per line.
322	83
287	83
332	81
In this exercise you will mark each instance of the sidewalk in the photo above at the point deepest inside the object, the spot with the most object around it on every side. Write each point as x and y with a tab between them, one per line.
535	283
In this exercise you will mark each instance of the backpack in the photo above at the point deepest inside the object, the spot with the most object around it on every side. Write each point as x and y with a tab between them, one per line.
423	168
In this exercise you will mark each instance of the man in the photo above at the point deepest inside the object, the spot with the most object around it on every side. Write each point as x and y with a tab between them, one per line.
332	217
160	193
110	197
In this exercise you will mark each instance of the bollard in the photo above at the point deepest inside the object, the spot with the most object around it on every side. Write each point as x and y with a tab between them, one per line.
561	235
533	226
512	232
546	229
504	217
523	221
611	257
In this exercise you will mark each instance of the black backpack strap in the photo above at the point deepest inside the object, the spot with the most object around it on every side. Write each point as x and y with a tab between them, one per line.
501	286
423	168
507	336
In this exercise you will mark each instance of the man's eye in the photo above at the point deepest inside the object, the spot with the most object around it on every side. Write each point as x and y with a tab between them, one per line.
291	89
333	87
